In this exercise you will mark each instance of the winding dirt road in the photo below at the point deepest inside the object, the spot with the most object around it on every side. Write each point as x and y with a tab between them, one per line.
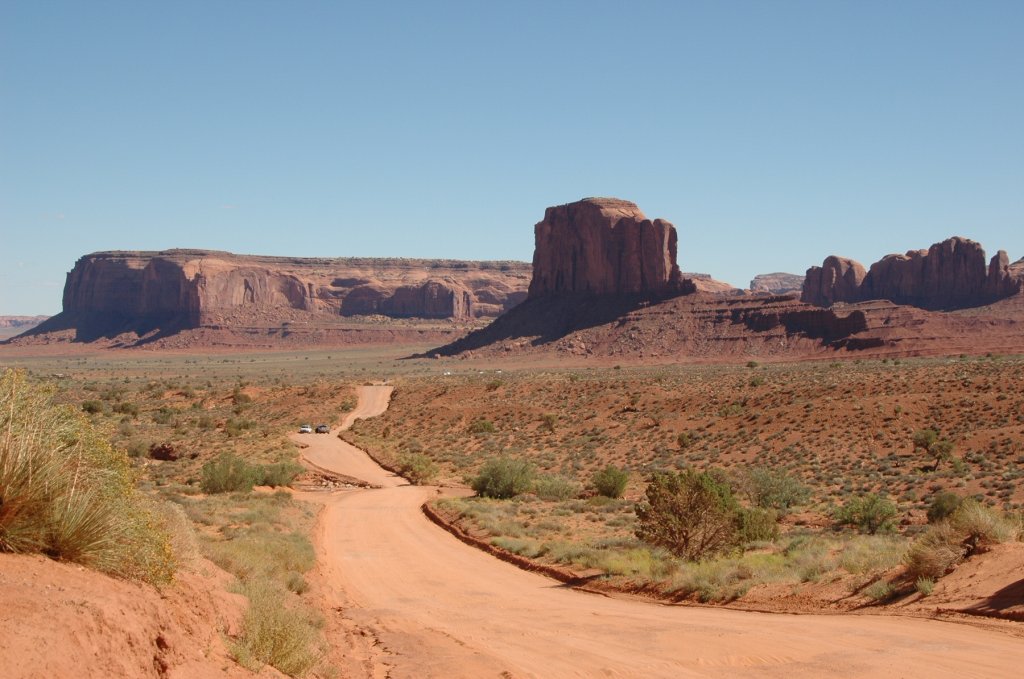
438	608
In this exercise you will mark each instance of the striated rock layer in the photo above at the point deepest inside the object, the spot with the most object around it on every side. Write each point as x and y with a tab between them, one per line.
604	246
949	275
112	292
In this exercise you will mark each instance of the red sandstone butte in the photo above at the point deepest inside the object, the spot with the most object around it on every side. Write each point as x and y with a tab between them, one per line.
604	246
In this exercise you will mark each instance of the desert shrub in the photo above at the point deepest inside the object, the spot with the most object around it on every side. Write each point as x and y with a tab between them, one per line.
685	440
259	553
276	634
943	505
504	477
93	407
692	514
870	513
126	408
67	493
979	525
229	473
936	552
279	473
548	421
610	481
758	525
867	553
879	590
417	468
925	586
481	427
771	489
555	488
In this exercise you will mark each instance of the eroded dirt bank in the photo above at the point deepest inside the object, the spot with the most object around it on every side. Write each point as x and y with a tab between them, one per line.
429	605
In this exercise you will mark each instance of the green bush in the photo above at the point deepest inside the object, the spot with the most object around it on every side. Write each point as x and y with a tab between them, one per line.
504	477
771	489
280	473
943	505
67	493
481	427
229	473
417	468
610	481
692	514
870	513
93	407
555	488
758	525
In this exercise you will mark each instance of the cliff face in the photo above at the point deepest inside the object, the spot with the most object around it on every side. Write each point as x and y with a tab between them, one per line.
838	279
604	246
949	275
175	289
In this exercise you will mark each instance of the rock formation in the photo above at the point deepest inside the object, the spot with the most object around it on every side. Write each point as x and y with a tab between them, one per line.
838	279
604	246
777	283
110	292
949	275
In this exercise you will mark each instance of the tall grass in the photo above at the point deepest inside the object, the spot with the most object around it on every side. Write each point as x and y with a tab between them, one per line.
65	492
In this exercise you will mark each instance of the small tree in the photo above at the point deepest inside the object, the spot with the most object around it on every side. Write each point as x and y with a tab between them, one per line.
503	477
870	513
928	440
771	489
417	468
943	505
924	438
692	514
611	481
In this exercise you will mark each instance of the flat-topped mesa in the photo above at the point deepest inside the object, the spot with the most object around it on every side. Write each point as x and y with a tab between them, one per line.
949	275
778	283
177	289
604	246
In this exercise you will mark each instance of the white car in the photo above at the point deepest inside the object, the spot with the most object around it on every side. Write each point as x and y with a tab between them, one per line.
305	429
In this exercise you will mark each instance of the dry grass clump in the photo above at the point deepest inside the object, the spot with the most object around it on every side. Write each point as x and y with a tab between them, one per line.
262	540
276	634
969	530
65	492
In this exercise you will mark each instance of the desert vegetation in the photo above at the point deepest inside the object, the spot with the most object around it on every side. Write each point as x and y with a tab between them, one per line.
67	493
144	475
794	476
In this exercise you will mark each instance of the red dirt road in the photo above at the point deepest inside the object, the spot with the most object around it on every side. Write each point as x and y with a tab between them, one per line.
438	608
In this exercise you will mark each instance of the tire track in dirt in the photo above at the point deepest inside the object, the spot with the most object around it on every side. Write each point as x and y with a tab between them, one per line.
434	607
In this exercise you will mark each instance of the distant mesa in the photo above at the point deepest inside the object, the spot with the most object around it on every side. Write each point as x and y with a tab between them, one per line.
21	322
949	275
777	283
604	246
606	285
109	293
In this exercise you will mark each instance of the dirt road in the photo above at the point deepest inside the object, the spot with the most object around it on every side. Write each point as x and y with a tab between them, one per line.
437	608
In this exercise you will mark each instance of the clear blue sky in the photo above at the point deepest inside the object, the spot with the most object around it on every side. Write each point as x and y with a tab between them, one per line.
772	134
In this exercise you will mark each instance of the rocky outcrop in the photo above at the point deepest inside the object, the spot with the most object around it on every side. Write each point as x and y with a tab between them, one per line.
949	275
604	246
111	292
838	279
777	283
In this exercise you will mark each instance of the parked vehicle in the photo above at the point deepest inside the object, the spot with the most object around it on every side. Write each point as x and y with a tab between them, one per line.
305	429
323	429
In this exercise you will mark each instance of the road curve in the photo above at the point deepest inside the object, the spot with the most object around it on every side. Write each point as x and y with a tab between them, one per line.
442	609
